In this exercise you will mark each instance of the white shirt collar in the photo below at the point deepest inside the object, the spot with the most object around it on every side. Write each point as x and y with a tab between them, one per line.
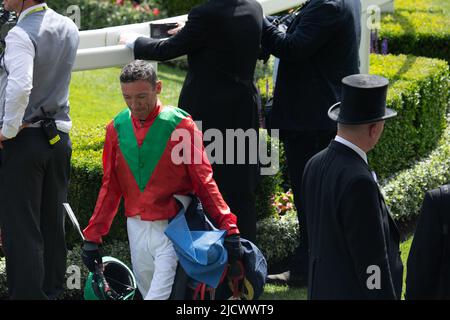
23	14
352	146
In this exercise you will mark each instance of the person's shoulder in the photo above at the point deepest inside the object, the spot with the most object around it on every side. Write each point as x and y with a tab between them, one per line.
16	33
437	194
110	126
324	7
359	179
203	9
70	24
186	119
176	115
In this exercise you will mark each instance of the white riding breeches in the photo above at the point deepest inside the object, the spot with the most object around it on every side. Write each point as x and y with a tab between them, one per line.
153	258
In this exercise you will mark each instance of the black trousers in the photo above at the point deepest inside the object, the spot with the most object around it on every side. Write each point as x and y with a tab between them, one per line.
237	183
34	184
299	147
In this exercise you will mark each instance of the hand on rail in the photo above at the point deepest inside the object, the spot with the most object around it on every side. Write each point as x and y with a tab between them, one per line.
128	38
173	31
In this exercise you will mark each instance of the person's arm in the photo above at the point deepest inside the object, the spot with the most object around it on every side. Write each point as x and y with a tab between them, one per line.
362	226
203	183
317	25
19	63
425	254
188	39
110	193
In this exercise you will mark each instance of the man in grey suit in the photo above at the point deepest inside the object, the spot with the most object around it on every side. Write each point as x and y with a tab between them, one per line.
36	148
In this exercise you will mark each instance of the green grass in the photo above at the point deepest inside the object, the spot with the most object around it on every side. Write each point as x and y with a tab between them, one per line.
95	95
404	248
278	292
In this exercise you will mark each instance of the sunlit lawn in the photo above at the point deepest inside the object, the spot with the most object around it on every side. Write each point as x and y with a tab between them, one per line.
95	95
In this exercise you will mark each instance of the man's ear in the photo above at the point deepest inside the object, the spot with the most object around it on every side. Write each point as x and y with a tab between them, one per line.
374	128
158	87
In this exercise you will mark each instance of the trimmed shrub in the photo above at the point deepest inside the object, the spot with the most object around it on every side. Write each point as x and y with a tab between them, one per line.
429	6
417	32
86	177
405	192
277	236
419	93
269	185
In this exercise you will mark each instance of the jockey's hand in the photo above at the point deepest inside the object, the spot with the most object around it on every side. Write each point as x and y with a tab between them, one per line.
234	249
91	255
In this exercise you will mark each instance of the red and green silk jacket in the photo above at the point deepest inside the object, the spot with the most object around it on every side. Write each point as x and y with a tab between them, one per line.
137	165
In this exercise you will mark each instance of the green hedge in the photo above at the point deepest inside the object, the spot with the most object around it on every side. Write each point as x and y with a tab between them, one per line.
421	31
429	6
86	177
405	191
277	236
101	14
419	92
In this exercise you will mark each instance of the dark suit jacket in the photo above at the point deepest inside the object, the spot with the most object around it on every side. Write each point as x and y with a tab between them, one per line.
319	49
425	261
349	229
222	42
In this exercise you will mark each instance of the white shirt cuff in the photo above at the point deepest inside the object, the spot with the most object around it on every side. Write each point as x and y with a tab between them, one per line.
9	132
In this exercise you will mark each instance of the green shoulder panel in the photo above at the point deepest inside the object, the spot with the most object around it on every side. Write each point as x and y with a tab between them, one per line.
142	160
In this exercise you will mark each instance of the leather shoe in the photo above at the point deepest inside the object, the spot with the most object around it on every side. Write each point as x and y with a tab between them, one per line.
287	278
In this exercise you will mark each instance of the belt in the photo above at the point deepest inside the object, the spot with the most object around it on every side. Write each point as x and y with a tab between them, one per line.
37	124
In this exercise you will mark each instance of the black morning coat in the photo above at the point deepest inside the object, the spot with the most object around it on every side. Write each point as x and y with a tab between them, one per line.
350	229
428	274
222	43
222	40
319	49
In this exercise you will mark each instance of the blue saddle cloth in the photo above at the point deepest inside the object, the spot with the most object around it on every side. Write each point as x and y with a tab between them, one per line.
201	253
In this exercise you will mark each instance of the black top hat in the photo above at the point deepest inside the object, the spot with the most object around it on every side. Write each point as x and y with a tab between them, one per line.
363	100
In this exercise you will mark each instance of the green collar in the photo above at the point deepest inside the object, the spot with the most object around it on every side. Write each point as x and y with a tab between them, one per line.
39	9
142	160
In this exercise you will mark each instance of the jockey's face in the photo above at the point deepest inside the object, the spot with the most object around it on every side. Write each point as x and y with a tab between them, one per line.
141	97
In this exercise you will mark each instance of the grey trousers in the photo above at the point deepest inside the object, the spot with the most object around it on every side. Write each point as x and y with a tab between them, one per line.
34	184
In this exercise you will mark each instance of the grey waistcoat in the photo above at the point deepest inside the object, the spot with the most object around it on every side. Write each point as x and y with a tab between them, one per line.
55	39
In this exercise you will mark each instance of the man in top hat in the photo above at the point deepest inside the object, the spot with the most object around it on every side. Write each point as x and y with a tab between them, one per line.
354	242
318	49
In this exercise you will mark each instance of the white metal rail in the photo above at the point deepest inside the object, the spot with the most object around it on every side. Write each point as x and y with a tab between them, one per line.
99	48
